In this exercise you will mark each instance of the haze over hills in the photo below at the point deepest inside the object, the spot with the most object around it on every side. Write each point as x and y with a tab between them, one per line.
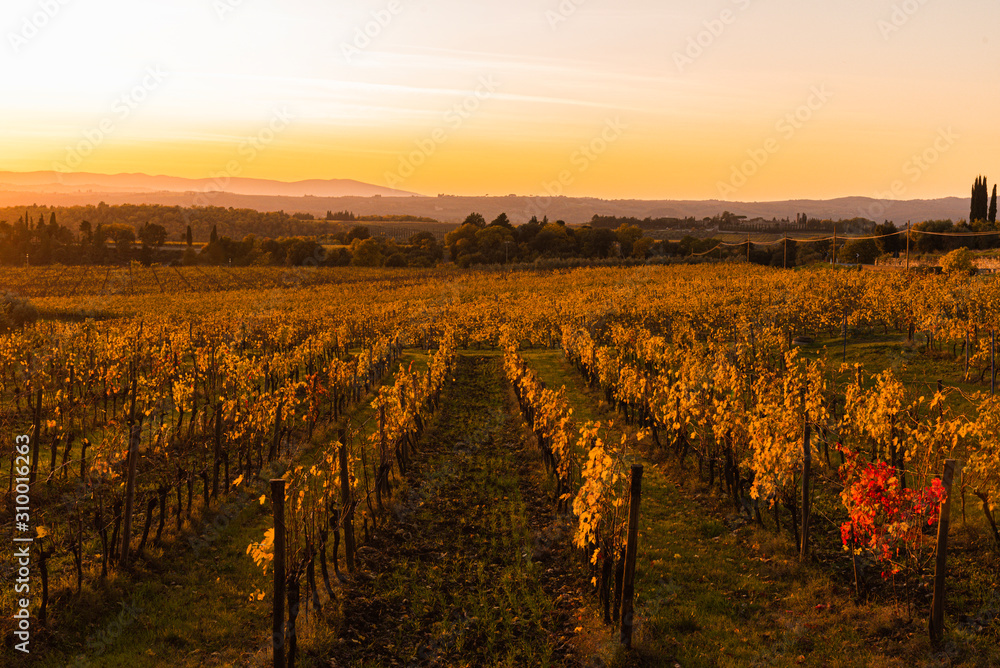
319	196
86	182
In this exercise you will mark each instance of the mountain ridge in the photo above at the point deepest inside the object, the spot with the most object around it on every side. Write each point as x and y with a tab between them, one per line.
308	196
139	182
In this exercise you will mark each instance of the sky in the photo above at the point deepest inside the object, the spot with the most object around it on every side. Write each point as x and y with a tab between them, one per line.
744	100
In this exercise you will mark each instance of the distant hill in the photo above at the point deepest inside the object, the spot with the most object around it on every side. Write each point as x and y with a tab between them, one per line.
87	183
317	197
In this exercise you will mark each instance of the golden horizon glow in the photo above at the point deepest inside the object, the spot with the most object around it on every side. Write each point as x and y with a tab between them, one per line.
730	99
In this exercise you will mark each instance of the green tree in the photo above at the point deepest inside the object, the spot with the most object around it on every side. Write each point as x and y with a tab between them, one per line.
86	233
396	260
888	237
502	221
595	242
627	236
642	246
122	235
554	241
495	243
152	235
475	219
862	251
367	253
358	232
992	215
461	241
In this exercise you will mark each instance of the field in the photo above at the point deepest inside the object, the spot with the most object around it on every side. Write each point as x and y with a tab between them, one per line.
456	450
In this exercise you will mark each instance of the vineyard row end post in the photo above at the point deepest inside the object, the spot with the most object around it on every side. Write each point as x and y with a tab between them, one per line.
346	502
631	545
806	471
278	626
940	566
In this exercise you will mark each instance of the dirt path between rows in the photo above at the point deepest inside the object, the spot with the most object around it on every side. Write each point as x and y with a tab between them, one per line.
473	569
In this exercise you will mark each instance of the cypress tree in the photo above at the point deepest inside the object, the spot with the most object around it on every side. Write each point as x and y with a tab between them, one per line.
974	201
984	198
215	235
980	198
190	239
993	206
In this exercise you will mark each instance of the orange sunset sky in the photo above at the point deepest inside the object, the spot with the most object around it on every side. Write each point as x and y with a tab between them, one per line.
735	99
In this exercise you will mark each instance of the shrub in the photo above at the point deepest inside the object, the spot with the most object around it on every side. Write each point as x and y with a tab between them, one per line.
958	261
396	260
16	311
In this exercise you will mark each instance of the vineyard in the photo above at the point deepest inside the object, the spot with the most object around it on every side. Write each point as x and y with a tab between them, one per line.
692	465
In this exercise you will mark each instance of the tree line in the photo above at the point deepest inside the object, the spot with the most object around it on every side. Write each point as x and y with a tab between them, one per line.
175	220
36	238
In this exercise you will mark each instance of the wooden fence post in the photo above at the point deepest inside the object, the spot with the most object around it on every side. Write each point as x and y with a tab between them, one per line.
937	606
277	629
806	467
907	245
631	545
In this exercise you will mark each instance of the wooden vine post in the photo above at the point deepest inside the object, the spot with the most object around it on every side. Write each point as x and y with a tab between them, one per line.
845	336
36	436
631	545
966	376
277	629
346	503
135	430
940	566
217	455
806	469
